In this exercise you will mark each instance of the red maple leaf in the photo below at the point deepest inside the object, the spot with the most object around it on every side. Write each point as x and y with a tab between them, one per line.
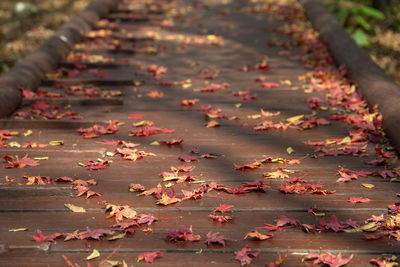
182	168
333	224
189	102
270	85
97	165
245	256
146	219
329	259
42	238
94	234
213	87
258	236
220	218
182	234
223	208
150	130
187	158
83	190
172	142
216	238
14	162
135	116
358	200
283	220
150	256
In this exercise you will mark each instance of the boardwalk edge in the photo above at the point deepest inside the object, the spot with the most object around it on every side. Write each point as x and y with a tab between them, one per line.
32	69
375	85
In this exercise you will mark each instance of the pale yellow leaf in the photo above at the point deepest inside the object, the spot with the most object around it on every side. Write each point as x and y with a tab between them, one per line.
56	143
115	237
18	229
14	144
368	185
295	118
74	208
28	133
40	158
289	150
95	254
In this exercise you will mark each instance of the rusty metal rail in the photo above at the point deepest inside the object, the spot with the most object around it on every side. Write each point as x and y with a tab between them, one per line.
266	120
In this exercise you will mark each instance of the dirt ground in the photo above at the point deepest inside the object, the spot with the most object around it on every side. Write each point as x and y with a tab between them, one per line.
25	25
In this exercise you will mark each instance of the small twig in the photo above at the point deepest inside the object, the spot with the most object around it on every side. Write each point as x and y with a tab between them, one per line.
68	261
109	256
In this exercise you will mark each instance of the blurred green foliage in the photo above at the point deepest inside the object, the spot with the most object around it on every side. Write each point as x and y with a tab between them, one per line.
363	19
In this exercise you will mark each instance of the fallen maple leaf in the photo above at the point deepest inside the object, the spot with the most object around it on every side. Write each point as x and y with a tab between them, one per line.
120	212
183	234
278	262
93	234
223	208
258	236
187	158
216	238
212	123
155	94
83	190
189	102
358	200
137	187
213	87
270	85
14	162
220	218
135	116
327	258
150	256
167	200
42	238
172	142
245	255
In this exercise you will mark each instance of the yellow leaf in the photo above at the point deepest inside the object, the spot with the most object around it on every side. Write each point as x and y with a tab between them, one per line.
110	154
294	88
18	229
286	82
368	185
56	143
109	263
95	254
168	185
289	150
81	164
28	133
40	158
345	140
186	85
14	133
74	208
395	180
256	116
295	118
329	141
115	237
277	160
14	144
155	143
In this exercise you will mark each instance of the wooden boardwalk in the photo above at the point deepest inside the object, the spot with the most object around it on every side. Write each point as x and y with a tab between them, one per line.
258	117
